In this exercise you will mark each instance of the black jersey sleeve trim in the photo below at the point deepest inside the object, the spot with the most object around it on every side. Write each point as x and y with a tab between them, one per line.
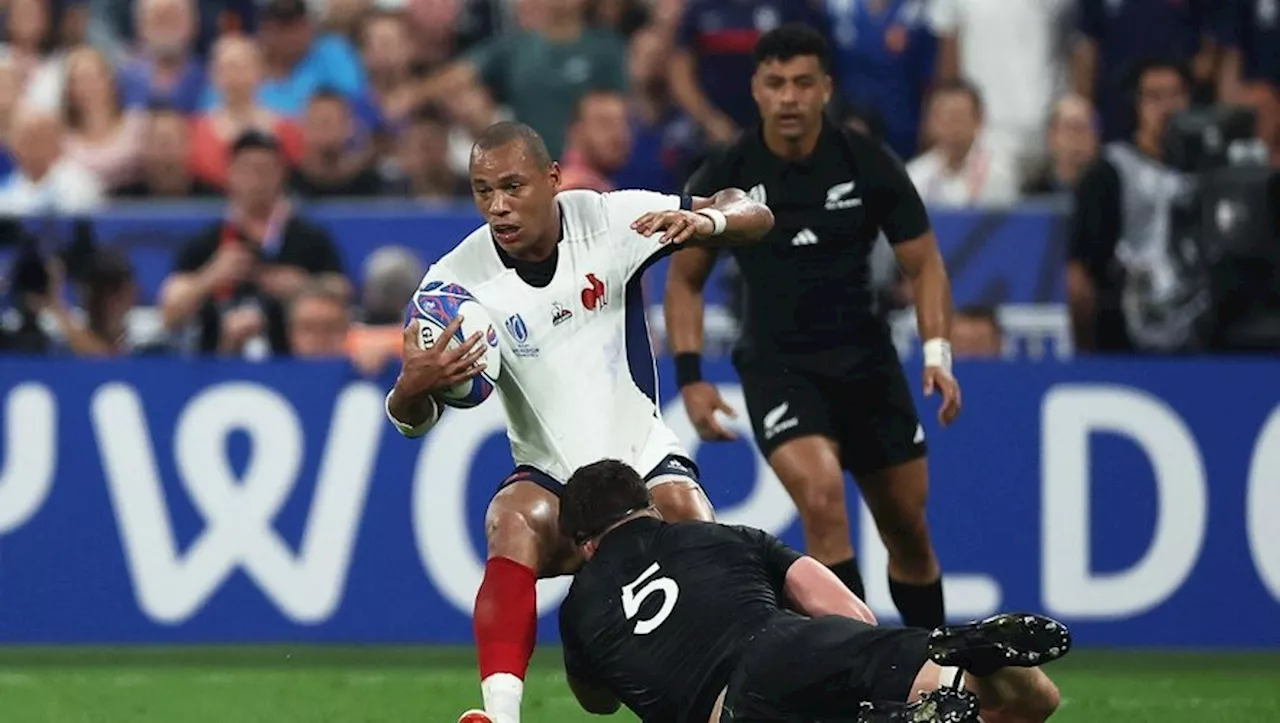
686	202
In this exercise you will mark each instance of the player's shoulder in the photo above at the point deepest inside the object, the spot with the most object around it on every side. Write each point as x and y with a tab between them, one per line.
473	261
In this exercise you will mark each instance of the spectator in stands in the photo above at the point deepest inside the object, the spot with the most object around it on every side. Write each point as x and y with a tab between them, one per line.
884	59
1010	52
976	334
299	61
1249	34
230	282
1073	146
599	142
102	135
438	29
166	172
540	73
961	170
624	17
712	67
45	180
391	275
1118	36
334	161
662	136
30	39
341	17
1130	284
165	70
318	324
107	294
388	55
10	92
422	170
471	109
237	74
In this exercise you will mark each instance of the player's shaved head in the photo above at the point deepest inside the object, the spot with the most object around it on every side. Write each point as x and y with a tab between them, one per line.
504	132
599	495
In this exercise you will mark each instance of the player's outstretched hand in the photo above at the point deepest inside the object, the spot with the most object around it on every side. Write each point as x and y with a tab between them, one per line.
676	226
437	367
701	402
938	378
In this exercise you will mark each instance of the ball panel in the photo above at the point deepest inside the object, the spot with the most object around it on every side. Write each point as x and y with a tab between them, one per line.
434	306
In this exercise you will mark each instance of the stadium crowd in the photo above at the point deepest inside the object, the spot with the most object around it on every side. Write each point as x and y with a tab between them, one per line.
269	103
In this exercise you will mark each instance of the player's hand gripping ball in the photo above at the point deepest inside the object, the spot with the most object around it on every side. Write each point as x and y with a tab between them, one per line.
436	305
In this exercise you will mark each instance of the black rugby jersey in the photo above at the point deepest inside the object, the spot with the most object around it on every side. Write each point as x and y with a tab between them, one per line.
661	614
807	284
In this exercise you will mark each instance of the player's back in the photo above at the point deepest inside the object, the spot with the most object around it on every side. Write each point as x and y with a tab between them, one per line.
662	612
574	343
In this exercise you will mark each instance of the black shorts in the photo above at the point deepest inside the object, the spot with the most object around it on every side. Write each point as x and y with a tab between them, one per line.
801	670
869	413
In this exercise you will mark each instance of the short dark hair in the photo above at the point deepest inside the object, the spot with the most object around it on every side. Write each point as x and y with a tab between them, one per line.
503	132
429	114
792	41
254	141
597	496
107	270
1140	68
590	96
960	86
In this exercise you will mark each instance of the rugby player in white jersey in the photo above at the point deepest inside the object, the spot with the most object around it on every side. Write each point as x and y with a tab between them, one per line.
559	273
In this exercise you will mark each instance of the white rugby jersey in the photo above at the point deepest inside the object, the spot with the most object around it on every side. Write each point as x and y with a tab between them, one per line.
578	379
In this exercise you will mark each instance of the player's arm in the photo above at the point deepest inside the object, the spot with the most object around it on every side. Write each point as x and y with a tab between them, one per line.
811	588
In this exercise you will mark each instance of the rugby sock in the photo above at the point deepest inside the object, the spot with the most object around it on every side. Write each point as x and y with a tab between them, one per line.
849	574
919	605
506	629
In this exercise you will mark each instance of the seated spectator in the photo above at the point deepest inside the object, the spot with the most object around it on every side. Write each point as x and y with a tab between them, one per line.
388	55
976	334
166	171
471	109
540	72
299	62
237	73
101	135
318	324
1073	145
663	137
422	170
107	294
45	181
29	39
961	171
334	162
165	70
230	282
391	276
599	142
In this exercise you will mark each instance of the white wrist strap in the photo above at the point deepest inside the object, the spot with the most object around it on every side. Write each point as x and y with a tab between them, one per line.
410	430
937	353
718	221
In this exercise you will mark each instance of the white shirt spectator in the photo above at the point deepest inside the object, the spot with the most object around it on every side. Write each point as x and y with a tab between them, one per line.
1009	49
67	188
986	178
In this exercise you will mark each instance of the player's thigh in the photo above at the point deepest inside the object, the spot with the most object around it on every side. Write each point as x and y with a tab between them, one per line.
522	524
876	420
677	492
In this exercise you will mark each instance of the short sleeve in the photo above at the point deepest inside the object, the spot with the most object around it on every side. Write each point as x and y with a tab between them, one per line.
1092	19
196	252
708	179
774	553
944	16
902	215
490	61
624	207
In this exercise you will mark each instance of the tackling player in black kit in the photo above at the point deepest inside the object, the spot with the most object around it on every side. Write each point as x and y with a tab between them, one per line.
822	380
686	623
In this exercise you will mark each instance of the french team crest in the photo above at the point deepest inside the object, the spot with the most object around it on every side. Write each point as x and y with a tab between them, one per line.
517	329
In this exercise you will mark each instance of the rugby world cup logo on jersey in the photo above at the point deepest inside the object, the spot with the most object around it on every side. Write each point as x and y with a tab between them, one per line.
519	331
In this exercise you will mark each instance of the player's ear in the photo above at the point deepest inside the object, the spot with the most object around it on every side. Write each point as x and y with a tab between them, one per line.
555	175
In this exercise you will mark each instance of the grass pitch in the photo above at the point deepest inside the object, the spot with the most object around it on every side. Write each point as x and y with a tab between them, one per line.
433	685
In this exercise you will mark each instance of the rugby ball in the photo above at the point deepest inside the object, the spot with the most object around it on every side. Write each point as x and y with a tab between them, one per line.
433	307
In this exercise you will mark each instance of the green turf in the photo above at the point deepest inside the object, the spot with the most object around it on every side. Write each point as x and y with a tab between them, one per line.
433	685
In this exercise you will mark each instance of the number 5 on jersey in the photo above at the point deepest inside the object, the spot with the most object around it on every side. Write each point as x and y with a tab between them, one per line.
633	598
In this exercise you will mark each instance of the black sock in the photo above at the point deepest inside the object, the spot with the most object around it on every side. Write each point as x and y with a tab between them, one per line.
848	573
919	605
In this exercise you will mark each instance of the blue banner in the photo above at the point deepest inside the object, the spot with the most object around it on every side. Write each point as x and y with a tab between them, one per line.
993	258
161	501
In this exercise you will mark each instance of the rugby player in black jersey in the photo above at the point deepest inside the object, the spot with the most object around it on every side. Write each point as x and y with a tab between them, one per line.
694	621
824	388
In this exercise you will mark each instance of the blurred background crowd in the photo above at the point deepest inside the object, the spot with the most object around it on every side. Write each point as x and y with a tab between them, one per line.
272	106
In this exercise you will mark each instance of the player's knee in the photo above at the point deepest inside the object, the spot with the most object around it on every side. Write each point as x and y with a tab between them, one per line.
510	533
822	507
1042	701
906	535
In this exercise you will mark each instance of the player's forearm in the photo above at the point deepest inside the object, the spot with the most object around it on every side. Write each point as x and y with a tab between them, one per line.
683	310
933	298
412	415
745	220
816	591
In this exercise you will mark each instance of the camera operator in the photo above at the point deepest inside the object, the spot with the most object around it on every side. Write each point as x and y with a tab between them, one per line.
1131	284
230	283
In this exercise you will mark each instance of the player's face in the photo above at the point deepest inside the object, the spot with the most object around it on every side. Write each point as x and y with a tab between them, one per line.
791	95
516	195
